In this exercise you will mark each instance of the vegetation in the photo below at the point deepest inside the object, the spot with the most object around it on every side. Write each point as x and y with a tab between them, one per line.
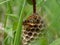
13	12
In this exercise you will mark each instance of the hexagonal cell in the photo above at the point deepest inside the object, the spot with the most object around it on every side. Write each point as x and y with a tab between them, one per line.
32	39
27	29
40	26
37	21
25	32
37	30
35	34
24	42
30	34
33	28
27	37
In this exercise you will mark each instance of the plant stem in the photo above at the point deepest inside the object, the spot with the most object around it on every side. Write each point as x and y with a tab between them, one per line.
9	11
17	40
34	6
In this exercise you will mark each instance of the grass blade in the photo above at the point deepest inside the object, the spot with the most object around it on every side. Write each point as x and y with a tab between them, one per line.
17	40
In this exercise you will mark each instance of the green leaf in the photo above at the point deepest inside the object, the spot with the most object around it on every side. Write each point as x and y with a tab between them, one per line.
17	40
40	41
56	42
29	2
58	2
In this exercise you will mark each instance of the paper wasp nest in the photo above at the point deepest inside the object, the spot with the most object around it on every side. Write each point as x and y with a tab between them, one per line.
32	27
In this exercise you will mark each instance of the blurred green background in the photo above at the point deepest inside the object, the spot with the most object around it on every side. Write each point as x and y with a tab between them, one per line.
12	10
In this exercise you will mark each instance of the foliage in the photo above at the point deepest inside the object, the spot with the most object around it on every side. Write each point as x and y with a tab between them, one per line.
13	12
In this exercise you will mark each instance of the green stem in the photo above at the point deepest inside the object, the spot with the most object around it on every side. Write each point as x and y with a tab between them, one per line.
9	11
17	40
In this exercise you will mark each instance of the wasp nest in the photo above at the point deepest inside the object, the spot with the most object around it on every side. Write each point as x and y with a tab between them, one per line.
32	28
